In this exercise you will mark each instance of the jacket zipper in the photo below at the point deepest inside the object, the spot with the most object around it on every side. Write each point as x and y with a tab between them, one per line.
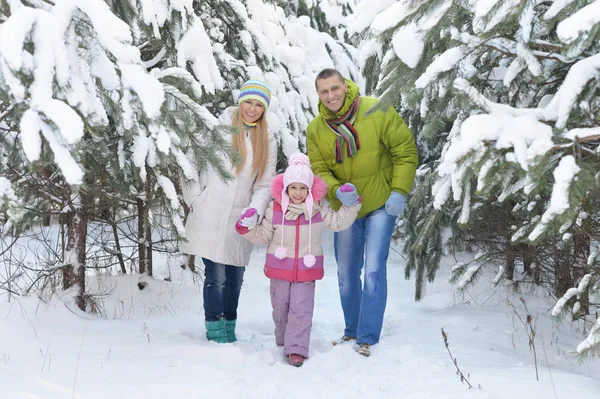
297	249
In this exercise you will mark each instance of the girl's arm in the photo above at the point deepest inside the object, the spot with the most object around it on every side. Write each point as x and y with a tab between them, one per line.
340	220
263	232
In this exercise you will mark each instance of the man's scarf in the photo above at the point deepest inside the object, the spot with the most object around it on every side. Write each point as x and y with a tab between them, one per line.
343	127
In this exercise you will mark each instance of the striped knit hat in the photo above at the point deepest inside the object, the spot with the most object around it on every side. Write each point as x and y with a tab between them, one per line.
255	90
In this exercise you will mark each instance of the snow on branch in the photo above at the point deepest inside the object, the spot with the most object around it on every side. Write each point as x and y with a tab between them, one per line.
169	189
564	174
556	7
577	79
560	304
8	202
196	48
523	133
409	40
394	13
44	69
579	134
580	23
157	12
592	340
484	22
200	111
443	63
179	73
367	12
485	104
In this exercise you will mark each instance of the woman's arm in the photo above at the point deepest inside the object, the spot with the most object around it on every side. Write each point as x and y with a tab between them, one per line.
261	193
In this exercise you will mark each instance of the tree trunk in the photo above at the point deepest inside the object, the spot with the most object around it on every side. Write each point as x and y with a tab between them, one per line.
148	242
141	245
67	270
509	271
581	250
75	255
562	271
147	222
190	259
191	262
119	253
145	227
527	262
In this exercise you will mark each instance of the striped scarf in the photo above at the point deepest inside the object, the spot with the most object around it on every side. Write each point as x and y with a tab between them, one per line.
343	127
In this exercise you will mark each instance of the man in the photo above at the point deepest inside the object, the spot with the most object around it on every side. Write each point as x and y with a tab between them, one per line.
376	153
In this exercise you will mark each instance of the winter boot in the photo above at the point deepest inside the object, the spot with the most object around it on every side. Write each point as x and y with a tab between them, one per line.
364	349
344	338
296	360
215	331
230	330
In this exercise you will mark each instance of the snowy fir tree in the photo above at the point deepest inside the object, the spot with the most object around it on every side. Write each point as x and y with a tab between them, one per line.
504	99
104	103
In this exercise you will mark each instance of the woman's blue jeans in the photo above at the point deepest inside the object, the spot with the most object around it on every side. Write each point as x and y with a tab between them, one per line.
365	243
222	286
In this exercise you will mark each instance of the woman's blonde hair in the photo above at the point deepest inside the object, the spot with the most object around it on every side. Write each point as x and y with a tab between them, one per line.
259	139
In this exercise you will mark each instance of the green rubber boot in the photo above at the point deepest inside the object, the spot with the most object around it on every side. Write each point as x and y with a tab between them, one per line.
230	330
215	331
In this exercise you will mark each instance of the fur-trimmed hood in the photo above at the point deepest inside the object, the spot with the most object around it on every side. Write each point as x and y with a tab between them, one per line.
319	188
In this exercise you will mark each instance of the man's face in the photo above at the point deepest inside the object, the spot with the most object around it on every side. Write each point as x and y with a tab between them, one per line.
332	92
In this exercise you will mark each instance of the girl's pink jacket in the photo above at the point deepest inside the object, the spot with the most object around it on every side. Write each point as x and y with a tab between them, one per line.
296	233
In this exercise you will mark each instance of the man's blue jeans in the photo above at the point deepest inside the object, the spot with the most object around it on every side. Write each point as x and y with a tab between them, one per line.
222	286
365	243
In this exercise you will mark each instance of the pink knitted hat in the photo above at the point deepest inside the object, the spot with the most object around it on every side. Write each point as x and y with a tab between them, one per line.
298	171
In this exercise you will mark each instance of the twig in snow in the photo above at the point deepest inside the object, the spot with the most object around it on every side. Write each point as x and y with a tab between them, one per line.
458	371
528	324
549	371
78	358
45	356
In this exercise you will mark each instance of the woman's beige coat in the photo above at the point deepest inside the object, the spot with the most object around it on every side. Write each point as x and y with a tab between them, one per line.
216	205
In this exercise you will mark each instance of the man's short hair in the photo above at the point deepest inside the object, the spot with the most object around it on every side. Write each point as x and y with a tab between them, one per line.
327	73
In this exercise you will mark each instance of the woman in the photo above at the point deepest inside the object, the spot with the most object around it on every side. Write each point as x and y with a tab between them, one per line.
216	205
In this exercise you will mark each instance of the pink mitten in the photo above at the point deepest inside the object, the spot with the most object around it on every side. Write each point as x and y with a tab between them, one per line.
249	218
249	212
347	187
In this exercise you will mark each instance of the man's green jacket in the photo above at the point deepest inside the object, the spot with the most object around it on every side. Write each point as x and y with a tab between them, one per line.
386	161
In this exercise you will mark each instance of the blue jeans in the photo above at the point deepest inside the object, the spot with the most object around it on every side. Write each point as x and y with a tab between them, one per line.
365	243
222	286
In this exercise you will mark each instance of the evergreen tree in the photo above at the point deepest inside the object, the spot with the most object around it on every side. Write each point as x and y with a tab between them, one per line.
514	84
97	114
127	91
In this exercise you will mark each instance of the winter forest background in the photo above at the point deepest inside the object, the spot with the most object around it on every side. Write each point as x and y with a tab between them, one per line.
104	102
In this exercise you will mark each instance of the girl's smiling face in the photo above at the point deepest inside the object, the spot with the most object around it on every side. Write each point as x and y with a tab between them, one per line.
252	110
297	192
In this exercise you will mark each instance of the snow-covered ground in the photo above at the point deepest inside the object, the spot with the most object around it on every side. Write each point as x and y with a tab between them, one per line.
151	344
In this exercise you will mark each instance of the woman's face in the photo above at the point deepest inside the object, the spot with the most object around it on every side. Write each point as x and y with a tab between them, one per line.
252	110
297	192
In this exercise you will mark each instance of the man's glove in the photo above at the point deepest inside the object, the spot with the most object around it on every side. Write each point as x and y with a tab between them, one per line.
347	194
394	206
249	218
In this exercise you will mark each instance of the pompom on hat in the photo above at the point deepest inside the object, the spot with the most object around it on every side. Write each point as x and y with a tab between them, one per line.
255	90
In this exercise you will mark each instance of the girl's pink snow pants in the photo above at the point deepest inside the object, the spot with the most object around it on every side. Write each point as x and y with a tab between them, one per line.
293	305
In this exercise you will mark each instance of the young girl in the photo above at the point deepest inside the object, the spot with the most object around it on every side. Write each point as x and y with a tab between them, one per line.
292	226
215	206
